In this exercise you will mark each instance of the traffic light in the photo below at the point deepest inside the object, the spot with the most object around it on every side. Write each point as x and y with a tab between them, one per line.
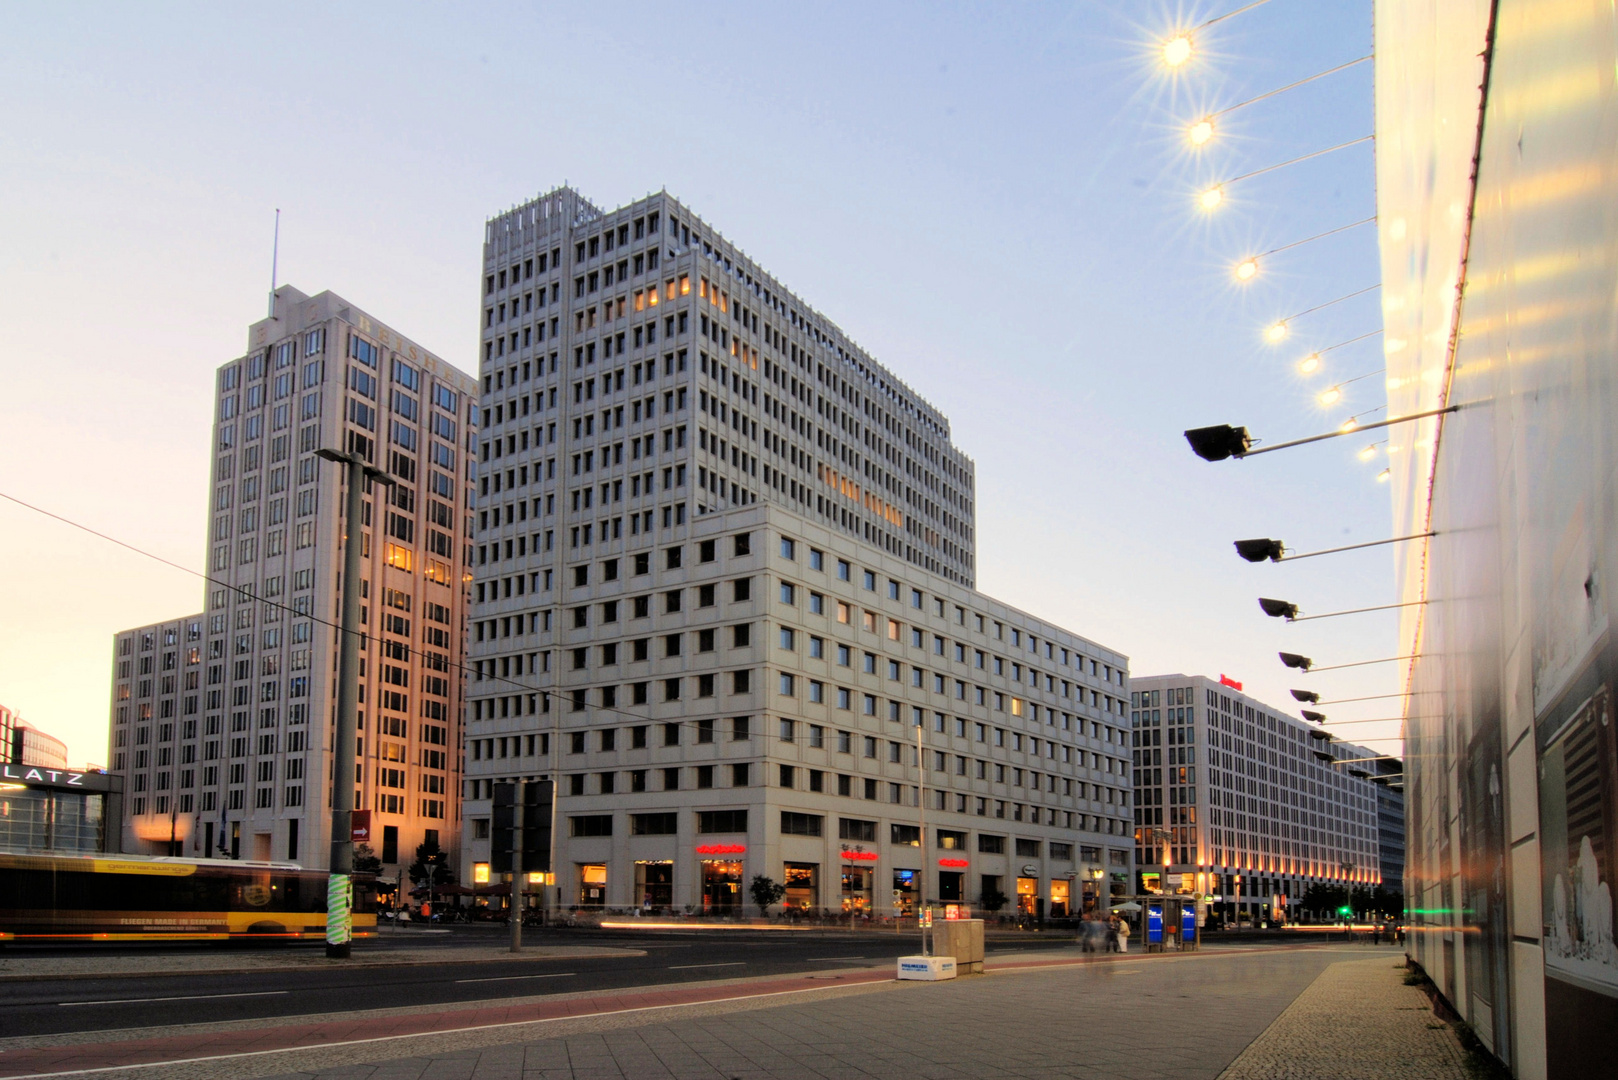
535	821
1345	911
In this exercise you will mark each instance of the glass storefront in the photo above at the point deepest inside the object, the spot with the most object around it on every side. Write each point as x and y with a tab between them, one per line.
949	886
39	819
1028	896
1061	897
803	885
592	885
721	887
654	886
904	892
857	889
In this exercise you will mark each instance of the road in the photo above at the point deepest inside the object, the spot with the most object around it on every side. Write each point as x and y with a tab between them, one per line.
88	1004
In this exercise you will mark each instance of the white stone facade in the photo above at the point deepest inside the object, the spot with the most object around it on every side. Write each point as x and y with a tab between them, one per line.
225	742
1233	802
710	533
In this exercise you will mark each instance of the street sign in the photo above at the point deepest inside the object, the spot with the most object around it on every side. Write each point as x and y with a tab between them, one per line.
536	828
359	824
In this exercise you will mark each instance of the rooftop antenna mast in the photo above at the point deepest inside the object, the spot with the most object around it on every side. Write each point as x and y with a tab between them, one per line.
275	256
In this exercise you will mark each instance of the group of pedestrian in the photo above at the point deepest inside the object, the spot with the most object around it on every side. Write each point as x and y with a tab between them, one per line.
1099	933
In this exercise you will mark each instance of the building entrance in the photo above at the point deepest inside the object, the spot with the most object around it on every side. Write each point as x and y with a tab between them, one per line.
904	892
857	890
592	885
1061	896
654	885
1028	896
803	885
721	887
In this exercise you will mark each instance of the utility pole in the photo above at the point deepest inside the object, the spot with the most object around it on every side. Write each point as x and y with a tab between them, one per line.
340	886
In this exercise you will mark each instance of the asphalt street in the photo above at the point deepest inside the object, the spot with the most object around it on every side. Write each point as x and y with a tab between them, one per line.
85	1004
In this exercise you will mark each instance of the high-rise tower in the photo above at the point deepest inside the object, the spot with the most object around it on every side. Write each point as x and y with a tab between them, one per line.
724	565
222	721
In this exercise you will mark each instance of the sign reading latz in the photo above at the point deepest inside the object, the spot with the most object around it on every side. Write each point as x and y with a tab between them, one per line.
38	776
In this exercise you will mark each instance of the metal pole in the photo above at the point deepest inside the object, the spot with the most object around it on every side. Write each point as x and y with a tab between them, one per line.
1351	431
921	816
1356	547
555	883
517	874
339	888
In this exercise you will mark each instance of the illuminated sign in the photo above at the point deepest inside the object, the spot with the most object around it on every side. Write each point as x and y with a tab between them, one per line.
721	849
1226	680
859	856
954	862
39	776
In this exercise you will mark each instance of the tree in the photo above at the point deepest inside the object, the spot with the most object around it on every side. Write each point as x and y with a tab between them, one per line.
1320	898
994	900
365	860
766	891
432	862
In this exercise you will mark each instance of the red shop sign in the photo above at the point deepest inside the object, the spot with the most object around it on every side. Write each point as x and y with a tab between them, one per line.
954	862
861	856
721	849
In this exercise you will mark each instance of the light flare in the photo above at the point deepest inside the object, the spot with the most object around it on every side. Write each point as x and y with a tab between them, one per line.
1276	331
1309	364
1331	396
1177	50
1247	270
1200	132
1211	197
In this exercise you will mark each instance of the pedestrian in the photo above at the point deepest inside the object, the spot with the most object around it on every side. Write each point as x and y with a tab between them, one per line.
404	915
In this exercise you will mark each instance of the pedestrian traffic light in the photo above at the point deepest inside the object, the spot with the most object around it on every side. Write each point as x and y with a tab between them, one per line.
534	819
1345	911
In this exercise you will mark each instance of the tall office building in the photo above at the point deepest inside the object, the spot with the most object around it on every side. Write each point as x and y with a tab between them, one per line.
1390	823
1266	817
23	743
222	721
724	567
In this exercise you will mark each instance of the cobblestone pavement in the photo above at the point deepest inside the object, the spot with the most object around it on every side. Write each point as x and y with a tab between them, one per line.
1358	1021
1153	1018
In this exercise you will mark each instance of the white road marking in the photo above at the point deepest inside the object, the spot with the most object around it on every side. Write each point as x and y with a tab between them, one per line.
509	978
186	997
689	967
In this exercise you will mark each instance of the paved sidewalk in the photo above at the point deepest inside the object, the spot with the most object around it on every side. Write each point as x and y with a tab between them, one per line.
1358	1021
1074	1019
1277	1013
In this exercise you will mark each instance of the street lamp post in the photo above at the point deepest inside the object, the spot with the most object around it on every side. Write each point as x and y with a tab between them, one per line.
340	885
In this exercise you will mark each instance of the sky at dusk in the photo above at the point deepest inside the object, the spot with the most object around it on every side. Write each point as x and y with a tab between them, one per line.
998	201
